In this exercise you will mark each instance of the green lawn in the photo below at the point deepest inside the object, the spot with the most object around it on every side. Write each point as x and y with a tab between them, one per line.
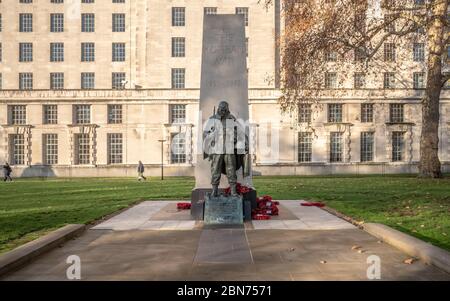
32	207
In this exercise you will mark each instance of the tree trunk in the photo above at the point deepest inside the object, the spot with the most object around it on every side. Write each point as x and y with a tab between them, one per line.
429	165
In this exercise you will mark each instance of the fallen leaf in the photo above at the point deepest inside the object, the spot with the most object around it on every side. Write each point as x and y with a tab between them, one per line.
380	242
422	226
323	261
409	260
361	251
356	247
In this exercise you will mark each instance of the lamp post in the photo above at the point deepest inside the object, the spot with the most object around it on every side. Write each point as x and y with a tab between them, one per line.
162	158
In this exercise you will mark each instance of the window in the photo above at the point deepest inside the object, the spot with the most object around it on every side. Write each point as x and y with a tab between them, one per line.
82	114
114	148
87	52
1	81
25	22
56	22
334	112
118	1
17	114
114	114
210	10
397	146
360	55
17	149
56	52
118	22
396	112
389	52
50	151
178	47
330	56
177	113
87	80
243	11
118	52
367	146
419	80
118	80
304	113
50	114
304	146
25	52
82	149
419	52
389	80
57	81
389	23
178	77
359	80
25	81
178	148
330	80
367	112
336	148
178	16
87	23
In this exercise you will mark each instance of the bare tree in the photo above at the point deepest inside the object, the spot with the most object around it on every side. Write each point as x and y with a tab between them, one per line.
360	37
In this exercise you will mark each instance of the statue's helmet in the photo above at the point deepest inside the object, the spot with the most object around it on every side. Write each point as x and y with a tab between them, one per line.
223	108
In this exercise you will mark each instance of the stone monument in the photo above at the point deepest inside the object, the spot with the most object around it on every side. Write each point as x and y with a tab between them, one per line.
224	90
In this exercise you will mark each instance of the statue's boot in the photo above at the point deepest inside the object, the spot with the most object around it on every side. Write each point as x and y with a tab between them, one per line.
233	190
215	191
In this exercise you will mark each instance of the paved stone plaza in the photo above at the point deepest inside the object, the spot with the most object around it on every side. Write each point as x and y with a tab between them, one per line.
155	241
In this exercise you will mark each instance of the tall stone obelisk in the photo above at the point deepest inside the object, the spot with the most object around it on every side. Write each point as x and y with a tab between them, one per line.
224	77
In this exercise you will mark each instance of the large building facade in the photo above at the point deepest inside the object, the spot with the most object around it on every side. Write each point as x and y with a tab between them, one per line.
89	88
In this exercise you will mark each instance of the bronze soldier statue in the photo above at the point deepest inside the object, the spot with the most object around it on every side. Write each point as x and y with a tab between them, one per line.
225	145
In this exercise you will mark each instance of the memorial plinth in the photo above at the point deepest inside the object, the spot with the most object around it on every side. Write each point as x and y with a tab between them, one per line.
223	210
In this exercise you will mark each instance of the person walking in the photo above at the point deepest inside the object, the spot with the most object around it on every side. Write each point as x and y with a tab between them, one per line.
7	172
141	171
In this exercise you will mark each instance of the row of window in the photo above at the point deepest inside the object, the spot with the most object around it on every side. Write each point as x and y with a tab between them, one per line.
118	80
17	114
336	150
359	80
82	149
335	112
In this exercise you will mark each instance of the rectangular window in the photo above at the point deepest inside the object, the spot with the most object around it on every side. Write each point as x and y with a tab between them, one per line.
50	114
178	16
118	22
334	112
56	52
87	52
82	149
304	146
25	81
330	80
115	148
367	146
178	78
336	147
359	80
118	52
419	52
82	114
389	80
17	149
18	114
87	23
397	146
87	80
178	47
57	81
25	22
178	113
396	112
118	80
419	80
360	55
330	56
210	10
25	52
56	22
389	23
367	112
389	52
304	113
114	114
243	11
50	152
178	148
